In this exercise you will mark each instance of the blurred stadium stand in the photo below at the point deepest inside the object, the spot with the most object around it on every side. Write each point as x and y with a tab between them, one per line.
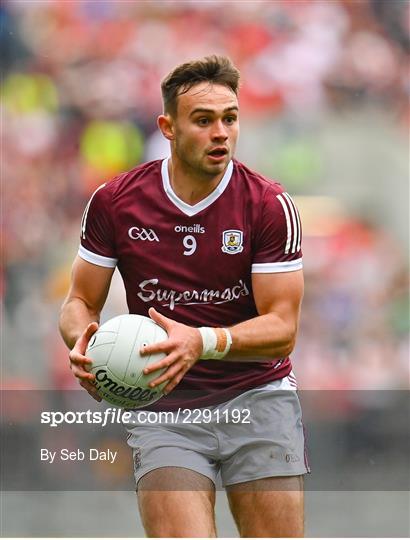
324	109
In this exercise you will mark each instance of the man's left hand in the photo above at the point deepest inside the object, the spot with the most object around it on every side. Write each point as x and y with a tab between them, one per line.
183	349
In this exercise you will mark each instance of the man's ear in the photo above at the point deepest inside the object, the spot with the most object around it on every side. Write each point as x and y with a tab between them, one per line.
166	126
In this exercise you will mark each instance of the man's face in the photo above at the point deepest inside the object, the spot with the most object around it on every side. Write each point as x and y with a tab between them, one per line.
206	128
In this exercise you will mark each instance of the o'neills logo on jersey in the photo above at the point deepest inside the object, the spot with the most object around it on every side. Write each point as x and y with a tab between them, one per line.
150	291
191	228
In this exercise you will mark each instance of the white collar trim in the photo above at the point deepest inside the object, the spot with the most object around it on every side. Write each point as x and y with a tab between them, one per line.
201	205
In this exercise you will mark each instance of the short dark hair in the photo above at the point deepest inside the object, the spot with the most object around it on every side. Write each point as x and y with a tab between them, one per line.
213	69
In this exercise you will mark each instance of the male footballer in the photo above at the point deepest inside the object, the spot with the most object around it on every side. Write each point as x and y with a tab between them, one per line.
211	251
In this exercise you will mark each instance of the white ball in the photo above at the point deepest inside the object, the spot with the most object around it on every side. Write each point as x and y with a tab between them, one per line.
117	364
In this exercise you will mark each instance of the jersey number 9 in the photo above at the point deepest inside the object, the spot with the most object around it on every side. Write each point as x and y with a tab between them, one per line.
189	242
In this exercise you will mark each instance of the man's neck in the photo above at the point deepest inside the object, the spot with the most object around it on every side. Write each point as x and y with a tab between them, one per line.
188	186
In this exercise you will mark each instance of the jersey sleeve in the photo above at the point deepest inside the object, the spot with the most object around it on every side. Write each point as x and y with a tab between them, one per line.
97	244
278	242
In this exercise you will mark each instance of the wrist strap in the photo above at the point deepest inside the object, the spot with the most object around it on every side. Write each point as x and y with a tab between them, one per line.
216	342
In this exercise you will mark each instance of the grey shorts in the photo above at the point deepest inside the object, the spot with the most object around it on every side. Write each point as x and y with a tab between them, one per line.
258	434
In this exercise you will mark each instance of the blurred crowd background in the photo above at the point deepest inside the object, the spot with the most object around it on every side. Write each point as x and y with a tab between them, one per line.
324	109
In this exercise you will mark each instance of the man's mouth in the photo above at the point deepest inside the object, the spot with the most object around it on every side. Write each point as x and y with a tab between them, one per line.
218	152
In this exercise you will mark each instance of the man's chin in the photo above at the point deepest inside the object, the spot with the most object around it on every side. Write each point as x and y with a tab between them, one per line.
217	166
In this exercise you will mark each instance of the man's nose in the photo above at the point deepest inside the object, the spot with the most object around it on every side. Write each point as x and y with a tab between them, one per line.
219	131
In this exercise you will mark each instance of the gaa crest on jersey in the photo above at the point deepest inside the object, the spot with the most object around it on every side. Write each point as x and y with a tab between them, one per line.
232	241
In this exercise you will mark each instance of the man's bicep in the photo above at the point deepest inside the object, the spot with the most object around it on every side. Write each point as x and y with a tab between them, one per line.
90	283
280	293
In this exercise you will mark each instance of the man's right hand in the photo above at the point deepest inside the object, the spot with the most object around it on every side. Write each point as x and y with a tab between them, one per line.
79	363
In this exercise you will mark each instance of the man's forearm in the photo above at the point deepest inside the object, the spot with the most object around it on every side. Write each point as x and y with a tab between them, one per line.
74	318
266	335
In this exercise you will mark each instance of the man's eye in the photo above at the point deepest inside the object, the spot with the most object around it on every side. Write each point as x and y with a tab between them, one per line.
203	121
230	119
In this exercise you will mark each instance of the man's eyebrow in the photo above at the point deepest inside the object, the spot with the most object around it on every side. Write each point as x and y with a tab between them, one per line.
205	110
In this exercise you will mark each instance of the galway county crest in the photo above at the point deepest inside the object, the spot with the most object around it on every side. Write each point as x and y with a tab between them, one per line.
232	241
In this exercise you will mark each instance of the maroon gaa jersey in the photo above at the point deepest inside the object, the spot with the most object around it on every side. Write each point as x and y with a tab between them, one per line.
194	263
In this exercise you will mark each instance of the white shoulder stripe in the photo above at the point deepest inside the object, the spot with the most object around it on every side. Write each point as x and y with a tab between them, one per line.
85	214
298	223
292	212
93	258
300	229
289	229
296	228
